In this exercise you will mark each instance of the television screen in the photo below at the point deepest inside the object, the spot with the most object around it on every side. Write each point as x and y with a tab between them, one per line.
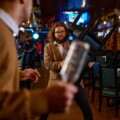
71	15
73	4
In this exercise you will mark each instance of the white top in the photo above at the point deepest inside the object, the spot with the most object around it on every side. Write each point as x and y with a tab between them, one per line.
60	47
9	21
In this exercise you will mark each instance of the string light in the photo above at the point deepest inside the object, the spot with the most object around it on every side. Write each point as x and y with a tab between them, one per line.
22	29
83	3
104	22
30	25
28	21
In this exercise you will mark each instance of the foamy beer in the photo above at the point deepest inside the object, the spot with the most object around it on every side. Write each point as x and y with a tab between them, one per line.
74	61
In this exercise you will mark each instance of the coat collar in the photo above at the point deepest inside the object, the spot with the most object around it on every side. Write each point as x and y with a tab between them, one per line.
56	49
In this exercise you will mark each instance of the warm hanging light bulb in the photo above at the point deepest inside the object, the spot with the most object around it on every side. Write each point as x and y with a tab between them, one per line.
30	25
22	29
28	21
83	3
104	22
23	23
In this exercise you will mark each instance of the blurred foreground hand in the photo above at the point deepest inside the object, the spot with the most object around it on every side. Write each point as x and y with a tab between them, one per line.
30	74
60	97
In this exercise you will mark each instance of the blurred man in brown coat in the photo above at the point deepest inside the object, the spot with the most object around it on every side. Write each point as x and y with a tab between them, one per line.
15	104
54	56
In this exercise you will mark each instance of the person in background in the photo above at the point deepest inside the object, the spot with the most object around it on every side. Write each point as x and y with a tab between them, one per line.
28	43
22	104
39	52
54	55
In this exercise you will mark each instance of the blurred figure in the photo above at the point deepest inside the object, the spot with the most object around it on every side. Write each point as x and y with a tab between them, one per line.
39	52
15	104
28	43
54	55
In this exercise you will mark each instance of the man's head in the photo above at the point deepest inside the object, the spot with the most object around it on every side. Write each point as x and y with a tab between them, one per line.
59	32
19	10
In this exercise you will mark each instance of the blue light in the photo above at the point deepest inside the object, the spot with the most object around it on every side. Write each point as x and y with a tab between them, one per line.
36	36
70	37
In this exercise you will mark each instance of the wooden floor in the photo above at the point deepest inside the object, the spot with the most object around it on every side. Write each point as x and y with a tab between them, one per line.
75	112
